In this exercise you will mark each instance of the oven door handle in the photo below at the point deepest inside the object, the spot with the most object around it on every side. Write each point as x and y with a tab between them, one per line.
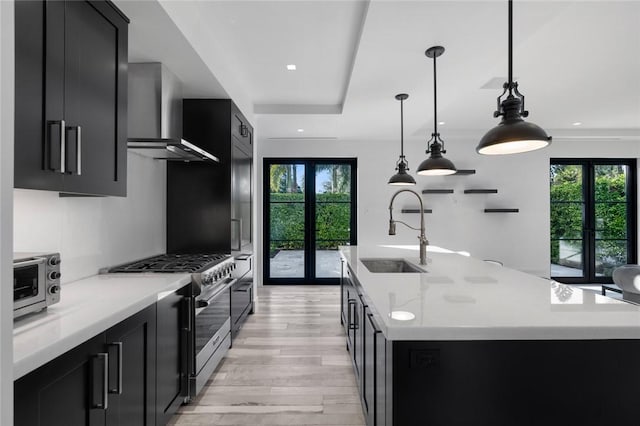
203	303
29	262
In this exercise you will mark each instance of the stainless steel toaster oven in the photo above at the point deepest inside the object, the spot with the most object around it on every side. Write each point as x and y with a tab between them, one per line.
36	282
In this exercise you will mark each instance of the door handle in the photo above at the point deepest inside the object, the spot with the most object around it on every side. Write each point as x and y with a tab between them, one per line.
239	228
103	402
118	387
351	316
61	166
79	150
189	302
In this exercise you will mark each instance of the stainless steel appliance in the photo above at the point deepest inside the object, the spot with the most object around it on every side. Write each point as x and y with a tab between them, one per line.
210	306
36	282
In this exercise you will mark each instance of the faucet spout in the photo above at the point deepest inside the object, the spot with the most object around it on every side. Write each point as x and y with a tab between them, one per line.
422	237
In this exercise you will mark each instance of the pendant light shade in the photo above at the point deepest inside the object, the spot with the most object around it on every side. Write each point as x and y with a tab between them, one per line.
436	164
402	178
513	135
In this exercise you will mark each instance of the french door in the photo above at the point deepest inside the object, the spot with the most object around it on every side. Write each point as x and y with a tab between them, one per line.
309	210
593	218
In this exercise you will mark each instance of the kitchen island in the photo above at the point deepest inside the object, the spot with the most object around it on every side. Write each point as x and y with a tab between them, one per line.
464	342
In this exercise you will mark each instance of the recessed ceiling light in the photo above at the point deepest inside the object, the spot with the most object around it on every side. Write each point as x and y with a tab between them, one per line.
442	123
577	123
300	130
291	67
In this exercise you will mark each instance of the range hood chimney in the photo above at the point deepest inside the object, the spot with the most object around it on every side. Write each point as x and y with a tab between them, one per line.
155	115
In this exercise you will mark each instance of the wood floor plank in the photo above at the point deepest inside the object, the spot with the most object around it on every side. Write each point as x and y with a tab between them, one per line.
288	366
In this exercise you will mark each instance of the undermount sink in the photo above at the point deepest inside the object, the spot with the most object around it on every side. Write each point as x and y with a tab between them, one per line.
391	266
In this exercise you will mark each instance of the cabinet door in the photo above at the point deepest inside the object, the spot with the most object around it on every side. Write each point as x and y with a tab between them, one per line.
241	302
173	326
70	390
373	371
95	58
38	142
131	346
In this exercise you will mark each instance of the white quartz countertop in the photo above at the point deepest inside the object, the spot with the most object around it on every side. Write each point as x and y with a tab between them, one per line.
462	298
87	307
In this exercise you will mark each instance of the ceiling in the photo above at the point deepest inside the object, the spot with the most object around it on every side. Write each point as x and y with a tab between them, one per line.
575	61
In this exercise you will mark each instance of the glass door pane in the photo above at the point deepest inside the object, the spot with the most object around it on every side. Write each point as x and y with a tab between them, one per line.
611	217
332	217
567	220
287	221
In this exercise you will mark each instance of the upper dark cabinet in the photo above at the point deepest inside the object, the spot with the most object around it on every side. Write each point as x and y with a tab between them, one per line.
71	97
219	196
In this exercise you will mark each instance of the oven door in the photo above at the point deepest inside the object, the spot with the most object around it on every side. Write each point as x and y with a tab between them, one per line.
29	285
212	323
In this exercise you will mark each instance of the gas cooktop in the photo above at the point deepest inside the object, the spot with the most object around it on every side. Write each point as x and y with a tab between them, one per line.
178	263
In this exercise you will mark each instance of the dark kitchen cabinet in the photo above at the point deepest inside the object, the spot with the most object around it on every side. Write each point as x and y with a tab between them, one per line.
368	350
174	323
108	380
70	390
219	196
71	97
241	294
131	346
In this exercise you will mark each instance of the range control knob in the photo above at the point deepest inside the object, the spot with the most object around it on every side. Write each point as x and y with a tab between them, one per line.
54	275
54	289
54	260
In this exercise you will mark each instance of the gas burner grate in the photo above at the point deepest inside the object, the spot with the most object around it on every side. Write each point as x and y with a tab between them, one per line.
168	263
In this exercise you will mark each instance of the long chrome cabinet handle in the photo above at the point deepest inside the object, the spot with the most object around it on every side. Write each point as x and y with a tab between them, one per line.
104	403
118	388
63	146
79	150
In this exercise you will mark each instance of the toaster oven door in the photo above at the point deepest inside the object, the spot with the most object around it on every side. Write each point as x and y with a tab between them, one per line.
29	285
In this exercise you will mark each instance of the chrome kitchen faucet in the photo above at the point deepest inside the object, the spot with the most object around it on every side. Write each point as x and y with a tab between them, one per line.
422	238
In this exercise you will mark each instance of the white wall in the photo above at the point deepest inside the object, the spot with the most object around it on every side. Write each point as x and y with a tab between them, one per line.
95	232
458	221
6	210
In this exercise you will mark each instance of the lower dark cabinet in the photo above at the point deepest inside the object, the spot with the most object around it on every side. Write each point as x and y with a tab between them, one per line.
134	374
107	380
173	330
64	391
241	305
131	347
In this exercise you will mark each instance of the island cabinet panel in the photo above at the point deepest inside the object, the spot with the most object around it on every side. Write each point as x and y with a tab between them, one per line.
525	383
71	97
69	390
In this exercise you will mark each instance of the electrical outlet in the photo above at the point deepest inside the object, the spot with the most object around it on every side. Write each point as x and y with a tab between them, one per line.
425	358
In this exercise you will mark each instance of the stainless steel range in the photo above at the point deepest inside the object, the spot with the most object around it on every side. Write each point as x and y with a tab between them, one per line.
210	307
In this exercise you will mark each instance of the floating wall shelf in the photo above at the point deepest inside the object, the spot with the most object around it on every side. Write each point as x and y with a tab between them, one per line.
416	211
465	172
501	210
437	191
480	191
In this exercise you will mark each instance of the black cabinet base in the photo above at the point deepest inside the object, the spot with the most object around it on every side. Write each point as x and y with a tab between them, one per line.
524	383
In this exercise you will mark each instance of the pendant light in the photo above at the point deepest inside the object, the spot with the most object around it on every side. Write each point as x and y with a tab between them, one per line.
436	164
513	135
402	177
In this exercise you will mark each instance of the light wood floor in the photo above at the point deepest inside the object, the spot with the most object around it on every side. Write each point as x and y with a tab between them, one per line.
288	366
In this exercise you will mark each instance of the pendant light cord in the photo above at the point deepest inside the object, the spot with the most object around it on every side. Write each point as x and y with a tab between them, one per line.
401	129
435	101
510	46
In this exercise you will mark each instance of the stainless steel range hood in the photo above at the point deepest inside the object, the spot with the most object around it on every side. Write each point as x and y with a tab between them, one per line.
155	116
